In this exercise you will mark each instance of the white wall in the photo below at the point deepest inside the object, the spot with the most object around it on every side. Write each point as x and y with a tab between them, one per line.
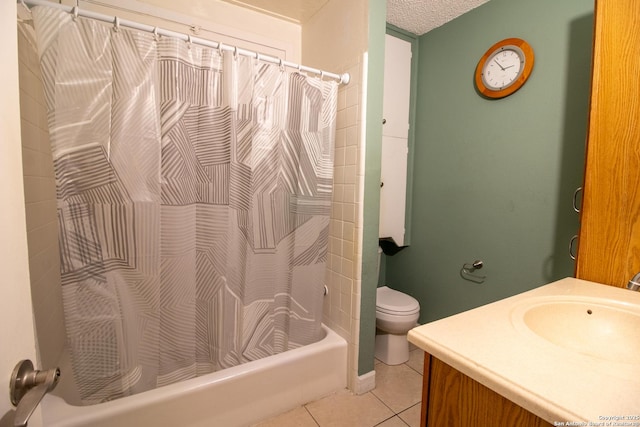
211	20
16	334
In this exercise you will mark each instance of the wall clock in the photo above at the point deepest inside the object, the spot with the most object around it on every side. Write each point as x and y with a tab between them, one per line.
504	68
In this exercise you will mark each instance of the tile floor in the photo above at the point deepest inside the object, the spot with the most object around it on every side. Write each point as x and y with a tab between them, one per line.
395	402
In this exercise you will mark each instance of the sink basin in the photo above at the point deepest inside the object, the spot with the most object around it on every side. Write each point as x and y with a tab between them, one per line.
593	327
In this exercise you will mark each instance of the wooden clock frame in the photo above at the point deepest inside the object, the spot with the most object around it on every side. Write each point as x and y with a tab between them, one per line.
528	57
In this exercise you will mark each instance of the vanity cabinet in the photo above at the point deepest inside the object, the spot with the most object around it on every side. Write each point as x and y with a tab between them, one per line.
609	238
451	398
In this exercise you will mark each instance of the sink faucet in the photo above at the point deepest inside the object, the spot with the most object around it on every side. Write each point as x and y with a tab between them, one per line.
634	283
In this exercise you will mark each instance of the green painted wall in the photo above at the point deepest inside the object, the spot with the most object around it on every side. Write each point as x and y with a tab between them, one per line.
371	203
494	179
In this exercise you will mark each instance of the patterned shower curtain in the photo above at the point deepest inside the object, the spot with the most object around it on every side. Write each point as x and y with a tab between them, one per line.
193	194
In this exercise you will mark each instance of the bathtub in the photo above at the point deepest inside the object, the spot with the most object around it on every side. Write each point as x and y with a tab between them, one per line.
237	396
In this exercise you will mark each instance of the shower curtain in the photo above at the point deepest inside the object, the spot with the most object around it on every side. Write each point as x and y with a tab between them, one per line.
193	196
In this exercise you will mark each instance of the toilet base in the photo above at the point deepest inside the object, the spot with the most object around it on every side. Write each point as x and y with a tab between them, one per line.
391	349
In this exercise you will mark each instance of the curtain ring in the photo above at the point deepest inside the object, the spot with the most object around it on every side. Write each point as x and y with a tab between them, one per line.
156	36
189	41
116	24
280	64
74	12
235	52
321	74
220	49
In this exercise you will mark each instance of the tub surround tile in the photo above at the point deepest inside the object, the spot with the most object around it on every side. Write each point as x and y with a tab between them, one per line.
41	213
31	135
341	312
352	136
341	137
342	99
40	209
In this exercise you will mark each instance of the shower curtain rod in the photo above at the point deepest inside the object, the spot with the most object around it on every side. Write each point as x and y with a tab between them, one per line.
117	22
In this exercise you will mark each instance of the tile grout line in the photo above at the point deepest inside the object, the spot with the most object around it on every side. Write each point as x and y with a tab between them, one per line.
311	415
397	414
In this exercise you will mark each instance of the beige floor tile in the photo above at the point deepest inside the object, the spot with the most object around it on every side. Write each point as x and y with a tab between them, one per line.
416	360
399	386
393	422
411	416
298	417
344	409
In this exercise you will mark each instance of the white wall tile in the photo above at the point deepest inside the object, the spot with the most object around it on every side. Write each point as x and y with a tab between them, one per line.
40	210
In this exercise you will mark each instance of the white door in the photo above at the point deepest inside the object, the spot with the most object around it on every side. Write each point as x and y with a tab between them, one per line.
397	87
17	340
395	133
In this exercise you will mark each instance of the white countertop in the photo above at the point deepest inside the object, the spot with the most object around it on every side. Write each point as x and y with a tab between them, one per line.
492	345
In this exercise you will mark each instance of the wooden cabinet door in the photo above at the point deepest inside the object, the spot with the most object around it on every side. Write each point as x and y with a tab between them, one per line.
450	398
609	239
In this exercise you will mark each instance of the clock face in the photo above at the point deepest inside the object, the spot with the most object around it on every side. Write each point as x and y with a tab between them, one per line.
503	68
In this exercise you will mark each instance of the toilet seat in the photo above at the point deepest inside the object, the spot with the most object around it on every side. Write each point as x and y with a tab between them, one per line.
390	301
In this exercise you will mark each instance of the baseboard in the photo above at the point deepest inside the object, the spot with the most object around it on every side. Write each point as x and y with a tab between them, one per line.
365	383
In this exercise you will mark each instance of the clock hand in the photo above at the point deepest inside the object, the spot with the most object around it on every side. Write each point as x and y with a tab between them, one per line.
496	61
512	65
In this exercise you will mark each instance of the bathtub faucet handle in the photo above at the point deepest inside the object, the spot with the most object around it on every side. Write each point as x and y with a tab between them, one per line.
28	386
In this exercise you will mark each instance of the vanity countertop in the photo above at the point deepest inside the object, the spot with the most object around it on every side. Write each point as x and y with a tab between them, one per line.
494	346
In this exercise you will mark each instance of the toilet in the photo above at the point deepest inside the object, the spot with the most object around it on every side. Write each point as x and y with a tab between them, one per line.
396	314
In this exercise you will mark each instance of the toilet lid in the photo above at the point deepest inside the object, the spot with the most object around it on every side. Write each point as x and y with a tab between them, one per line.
391	301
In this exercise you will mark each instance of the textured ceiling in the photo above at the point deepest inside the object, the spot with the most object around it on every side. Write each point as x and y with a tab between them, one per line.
415	16
421	16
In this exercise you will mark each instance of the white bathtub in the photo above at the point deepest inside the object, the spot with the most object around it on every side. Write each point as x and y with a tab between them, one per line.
236	396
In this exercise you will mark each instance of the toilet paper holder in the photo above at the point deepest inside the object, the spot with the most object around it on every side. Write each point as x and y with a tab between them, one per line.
467	270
